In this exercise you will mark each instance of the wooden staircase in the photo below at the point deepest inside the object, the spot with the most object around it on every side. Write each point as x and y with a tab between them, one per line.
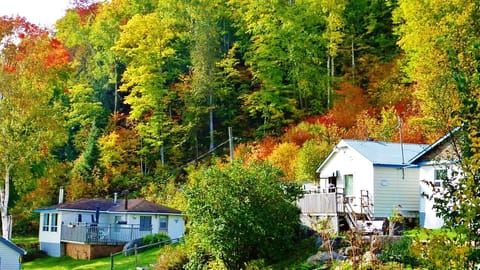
366	210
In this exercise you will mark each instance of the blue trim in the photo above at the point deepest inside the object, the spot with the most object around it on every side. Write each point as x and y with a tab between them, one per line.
399	166
12	246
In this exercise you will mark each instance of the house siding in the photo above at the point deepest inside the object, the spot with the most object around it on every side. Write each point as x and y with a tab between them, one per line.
395	189
50	241
347	161
9	259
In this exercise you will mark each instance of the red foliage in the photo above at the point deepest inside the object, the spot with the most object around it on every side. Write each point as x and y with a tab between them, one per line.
9	69
58	55
85	8
349	102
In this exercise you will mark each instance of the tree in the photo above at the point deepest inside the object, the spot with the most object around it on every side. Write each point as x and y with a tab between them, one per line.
31	124
459	200
241	212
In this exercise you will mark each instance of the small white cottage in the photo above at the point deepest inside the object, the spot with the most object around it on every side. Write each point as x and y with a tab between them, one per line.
10	255
92	228
368	178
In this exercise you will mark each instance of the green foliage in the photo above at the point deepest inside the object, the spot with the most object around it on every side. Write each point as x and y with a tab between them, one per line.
154	238
399	251
441	252
242	212
172	257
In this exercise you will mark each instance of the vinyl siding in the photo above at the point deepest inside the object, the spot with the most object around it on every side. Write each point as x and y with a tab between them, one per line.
9	259
391	189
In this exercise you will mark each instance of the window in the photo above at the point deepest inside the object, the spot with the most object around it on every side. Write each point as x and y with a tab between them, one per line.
54	225
145	223
439	177
79	218
163	223
46	220
348	184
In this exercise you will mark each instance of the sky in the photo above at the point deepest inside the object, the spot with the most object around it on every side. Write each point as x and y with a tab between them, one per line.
40	12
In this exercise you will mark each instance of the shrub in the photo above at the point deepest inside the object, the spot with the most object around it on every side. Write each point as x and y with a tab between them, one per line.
172	257
154	238
399	251
441	252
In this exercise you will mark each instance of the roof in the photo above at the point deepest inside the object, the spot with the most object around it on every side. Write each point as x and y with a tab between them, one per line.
105	205
379	153
12	246
434	145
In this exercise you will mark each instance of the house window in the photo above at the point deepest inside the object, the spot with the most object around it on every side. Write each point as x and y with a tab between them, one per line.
145	223
163	223
54	224
348	184
46	220
79	218
439	177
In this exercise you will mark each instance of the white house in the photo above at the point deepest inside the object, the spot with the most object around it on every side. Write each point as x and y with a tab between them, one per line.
10	255
435	163
91	228
370	178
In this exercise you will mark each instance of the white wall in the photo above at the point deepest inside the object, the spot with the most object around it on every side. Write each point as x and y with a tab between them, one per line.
348	161
392	188
428	218
176	226
9	259
50	241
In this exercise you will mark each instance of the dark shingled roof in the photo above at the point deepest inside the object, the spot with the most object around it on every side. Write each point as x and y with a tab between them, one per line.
105	205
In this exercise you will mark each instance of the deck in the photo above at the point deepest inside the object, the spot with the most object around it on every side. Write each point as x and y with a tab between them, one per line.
102	234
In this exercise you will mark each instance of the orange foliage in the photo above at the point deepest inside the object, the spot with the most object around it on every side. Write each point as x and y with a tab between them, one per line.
57	54
349	102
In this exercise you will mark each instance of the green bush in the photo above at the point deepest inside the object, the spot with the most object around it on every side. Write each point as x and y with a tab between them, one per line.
172	257
154	238
399	251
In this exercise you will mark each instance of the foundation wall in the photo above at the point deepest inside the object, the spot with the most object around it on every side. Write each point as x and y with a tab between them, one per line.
88	252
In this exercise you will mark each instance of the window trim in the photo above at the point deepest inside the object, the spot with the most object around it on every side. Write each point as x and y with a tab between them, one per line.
144	227
46	222
54	222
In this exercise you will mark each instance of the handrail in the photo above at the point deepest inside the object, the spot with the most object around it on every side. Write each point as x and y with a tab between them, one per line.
365	204
135	250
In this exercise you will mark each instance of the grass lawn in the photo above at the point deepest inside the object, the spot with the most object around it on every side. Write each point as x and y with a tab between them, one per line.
121	262
424	234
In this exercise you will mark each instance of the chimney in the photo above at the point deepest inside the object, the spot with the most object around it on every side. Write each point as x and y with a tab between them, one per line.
115	197
60	195
126	200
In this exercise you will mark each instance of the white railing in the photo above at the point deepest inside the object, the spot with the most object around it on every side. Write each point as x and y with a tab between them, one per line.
102	233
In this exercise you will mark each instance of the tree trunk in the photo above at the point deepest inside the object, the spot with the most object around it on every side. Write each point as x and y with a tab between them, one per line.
4	197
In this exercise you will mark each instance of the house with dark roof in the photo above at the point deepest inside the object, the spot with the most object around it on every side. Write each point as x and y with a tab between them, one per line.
10	255
364	181
92	228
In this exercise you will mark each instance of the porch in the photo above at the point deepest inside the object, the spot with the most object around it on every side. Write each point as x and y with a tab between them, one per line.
332	203
102	234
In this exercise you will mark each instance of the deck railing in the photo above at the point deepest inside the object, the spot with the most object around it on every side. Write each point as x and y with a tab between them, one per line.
108	234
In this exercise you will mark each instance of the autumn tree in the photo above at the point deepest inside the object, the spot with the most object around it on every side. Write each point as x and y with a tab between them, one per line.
32	62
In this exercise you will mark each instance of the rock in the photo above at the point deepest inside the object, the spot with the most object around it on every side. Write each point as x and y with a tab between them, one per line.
322	257
369	258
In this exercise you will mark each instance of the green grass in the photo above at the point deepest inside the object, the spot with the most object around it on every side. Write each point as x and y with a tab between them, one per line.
25	239
121	262
425	234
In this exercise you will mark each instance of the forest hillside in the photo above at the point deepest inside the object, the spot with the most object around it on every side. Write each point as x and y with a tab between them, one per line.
138	94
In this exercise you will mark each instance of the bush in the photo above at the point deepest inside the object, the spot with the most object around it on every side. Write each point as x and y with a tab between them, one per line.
33	253
399	251
442	252
172	257
154	238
